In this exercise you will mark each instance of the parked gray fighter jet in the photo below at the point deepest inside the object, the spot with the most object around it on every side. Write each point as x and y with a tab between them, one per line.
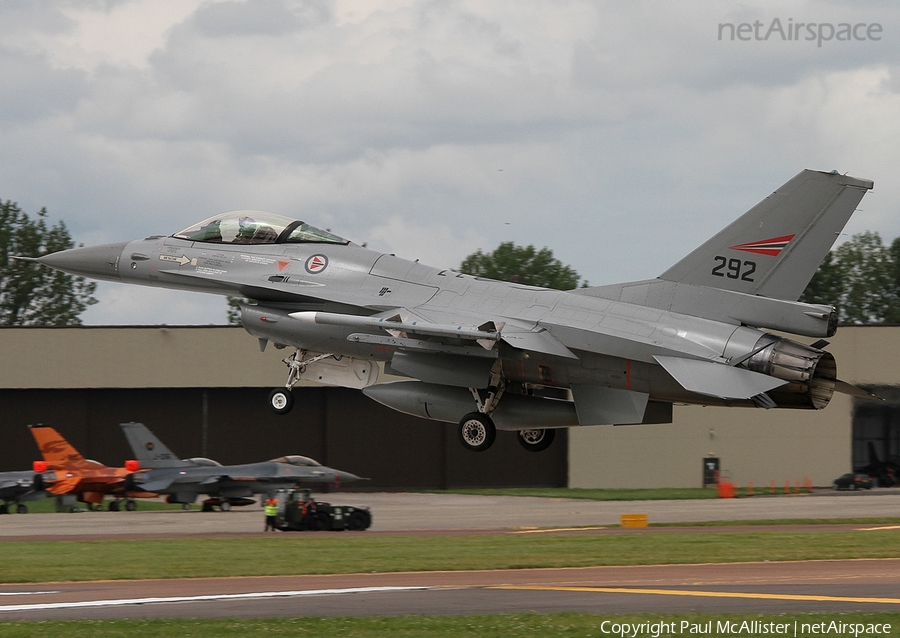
184	480
17	488
484	353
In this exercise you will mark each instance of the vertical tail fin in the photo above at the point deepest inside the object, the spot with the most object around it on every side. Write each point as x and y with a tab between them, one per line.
57	451
774	249
148	449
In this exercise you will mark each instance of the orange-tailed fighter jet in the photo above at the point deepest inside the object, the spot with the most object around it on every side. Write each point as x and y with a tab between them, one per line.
65	471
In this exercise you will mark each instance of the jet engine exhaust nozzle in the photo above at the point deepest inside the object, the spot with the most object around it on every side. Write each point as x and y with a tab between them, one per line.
811	373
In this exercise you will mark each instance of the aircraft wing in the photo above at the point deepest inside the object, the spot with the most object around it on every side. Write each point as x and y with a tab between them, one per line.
13	480
157	484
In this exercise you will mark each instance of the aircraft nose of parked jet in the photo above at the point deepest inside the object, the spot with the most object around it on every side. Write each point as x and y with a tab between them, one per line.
347	477
98	262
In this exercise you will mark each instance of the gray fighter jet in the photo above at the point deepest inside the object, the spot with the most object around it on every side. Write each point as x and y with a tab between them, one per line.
16	488
184	480
492	355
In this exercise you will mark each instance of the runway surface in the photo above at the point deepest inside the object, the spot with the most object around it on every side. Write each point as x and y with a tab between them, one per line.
811	586
855	585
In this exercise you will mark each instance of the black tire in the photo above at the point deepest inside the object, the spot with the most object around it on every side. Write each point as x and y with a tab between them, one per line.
536	440
477	432
323	521
21	508
281	400
130	505
4	509
114	506
359	520
207	507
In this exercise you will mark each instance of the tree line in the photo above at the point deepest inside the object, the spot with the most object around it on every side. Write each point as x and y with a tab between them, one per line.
861	278
31	294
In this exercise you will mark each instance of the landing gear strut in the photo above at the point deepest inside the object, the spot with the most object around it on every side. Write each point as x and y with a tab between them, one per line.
281	400
477	430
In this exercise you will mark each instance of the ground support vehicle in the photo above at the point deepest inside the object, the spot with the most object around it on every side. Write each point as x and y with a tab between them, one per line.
298	511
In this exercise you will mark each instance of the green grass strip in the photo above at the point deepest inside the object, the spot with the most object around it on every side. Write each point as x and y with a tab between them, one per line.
484	626
48	506
299	553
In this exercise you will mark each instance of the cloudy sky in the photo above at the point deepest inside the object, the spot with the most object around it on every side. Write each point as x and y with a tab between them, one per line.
621	134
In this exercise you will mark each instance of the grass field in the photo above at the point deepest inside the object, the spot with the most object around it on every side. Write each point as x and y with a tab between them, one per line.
492	626
48	506
37	561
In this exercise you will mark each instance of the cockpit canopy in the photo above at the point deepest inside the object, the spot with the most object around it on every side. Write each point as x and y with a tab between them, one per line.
296	459
204	462
256	227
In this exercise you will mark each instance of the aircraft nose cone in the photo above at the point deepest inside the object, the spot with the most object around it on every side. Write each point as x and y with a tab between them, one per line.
97	262
347	477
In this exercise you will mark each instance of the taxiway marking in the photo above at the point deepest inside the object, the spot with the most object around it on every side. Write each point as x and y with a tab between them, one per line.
701	594
556	529
191	599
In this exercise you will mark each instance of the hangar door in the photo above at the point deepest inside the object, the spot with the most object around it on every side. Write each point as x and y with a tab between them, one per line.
876	432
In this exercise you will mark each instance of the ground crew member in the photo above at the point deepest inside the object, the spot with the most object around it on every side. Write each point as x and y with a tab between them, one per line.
308	514
271	510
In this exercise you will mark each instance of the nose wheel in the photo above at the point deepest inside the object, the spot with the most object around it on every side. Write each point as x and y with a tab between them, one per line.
281	400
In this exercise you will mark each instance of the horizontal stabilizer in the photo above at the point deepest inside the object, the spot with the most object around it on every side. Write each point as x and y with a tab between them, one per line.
64	486
716	379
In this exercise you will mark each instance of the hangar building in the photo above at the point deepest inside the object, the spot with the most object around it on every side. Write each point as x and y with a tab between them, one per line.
203	391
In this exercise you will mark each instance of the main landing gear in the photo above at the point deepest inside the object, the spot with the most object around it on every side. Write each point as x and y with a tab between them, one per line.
281	400
477	431
536	440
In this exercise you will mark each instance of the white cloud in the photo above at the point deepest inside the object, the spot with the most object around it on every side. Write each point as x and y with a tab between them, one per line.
620	135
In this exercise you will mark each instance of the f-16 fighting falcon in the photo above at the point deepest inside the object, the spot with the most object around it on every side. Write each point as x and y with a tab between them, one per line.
183	480
491	355
64	471
16	488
